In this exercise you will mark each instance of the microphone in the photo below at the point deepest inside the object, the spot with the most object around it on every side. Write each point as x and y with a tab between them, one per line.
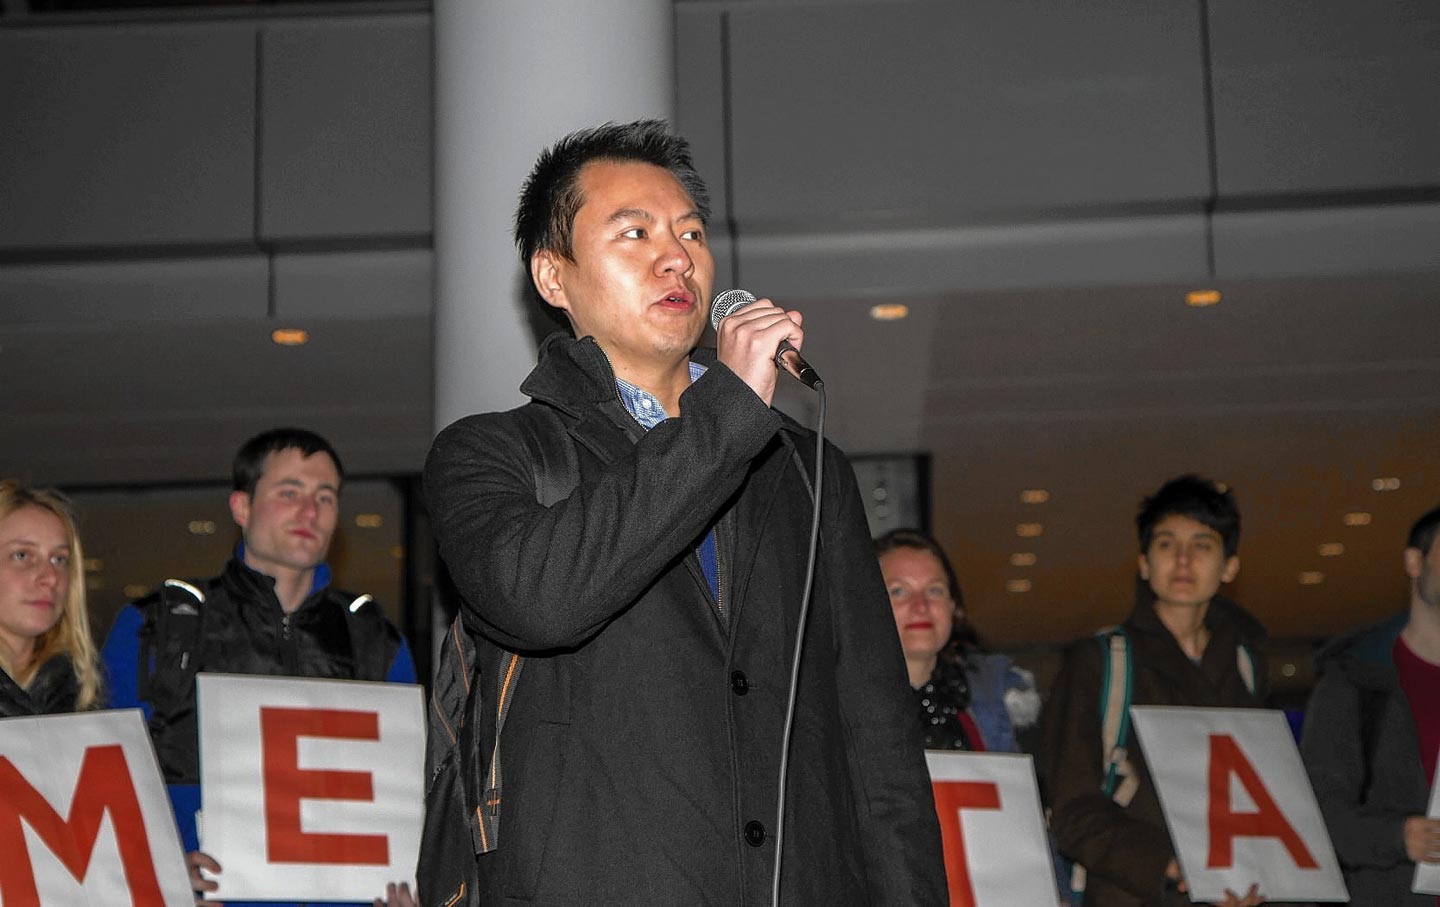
787	358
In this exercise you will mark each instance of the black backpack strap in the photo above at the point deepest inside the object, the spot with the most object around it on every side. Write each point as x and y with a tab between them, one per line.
557	472
171	637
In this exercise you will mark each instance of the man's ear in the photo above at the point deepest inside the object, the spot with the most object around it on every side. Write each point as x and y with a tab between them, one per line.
1414	563
547	274
240	508
1232	567
1144	568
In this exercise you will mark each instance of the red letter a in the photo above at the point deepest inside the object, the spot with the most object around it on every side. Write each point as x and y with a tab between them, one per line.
104	785
286	784
950	798
1226	825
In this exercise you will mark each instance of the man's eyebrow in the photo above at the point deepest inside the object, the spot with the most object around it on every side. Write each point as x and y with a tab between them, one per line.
630	214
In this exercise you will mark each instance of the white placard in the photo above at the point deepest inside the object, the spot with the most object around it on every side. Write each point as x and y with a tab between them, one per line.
996	850
84	820
1238	803
313	790
1427	875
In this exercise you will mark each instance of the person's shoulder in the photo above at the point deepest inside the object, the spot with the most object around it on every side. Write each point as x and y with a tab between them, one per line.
1247	626
1371	644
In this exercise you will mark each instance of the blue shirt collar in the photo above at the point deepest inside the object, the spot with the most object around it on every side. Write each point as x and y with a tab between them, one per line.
643	405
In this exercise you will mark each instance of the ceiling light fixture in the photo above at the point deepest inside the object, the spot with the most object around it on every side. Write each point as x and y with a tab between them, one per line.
1023	559
368	520
94	565
1029	530
1034	496
889	311
290	336
1357	518
201	527
1312	578
1332	549
1017	585
1386	483
1199	299
135	590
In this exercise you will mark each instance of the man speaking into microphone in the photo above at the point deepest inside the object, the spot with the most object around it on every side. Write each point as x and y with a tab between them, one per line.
639	535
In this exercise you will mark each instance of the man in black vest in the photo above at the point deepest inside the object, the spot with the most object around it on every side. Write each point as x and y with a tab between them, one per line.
271	611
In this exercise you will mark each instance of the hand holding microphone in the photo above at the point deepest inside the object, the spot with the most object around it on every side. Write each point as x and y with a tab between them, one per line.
757	337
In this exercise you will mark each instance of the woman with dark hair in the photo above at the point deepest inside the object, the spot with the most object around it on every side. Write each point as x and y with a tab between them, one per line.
47	656
967	698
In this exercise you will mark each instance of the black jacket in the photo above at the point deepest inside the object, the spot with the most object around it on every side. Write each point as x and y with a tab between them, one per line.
52	691
642	747
241	628
1363	757
1125	850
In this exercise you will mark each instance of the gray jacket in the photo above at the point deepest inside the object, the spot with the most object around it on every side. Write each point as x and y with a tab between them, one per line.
1363	757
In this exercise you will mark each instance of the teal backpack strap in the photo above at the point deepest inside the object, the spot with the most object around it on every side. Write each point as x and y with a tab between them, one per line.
1116	689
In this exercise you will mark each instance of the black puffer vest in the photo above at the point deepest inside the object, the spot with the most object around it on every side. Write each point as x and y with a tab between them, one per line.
240	628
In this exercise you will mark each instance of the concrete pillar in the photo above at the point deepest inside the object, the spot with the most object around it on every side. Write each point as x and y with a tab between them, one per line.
511	77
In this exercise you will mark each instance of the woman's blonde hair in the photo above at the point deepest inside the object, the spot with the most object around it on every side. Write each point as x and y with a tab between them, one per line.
71	633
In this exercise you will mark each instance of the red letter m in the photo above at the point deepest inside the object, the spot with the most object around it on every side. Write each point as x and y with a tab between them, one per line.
104	786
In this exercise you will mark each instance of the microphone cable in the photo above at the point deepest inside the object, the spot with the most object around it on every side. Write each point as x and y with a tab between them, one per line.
800	624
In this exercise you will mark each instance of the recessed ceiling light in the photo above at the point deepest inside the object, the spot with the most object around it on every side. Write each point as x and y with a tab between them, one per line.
1332	549
290	336
889	311
94	565
1029	530
1385	483
1312	578
1034	496
1202	298
397	552
1023	559
368	520
135	590
1017	585
201	527
1287	669
1357	518
96	583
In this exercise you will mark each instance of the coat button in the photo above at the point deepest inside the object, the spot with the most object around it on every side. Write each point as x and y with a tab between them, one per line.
754	834
740	685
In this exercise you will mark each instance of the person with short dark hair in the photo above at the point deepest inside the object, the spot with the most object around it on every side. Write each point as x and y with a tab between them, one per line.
271	611
655	603
1372	735
1188	646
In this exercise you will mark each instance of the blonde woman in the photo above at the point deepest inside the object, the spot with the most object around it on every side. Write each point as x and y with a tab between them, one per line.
47	657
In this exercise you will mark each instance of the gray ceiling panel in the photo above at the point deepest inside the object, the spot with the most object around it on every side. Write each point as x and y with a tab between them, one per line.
1325	95
346	128
58	293
894	114
134	136
354	284
1377	238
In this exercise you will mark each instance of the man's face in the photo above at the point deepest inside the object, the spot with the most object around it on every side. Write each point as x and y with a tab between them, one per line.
1186	563
642	273
1424	570
290	519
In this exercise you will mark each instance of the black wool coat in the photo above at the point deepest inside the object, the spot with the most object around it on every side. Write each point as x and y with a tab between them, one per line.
641	751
